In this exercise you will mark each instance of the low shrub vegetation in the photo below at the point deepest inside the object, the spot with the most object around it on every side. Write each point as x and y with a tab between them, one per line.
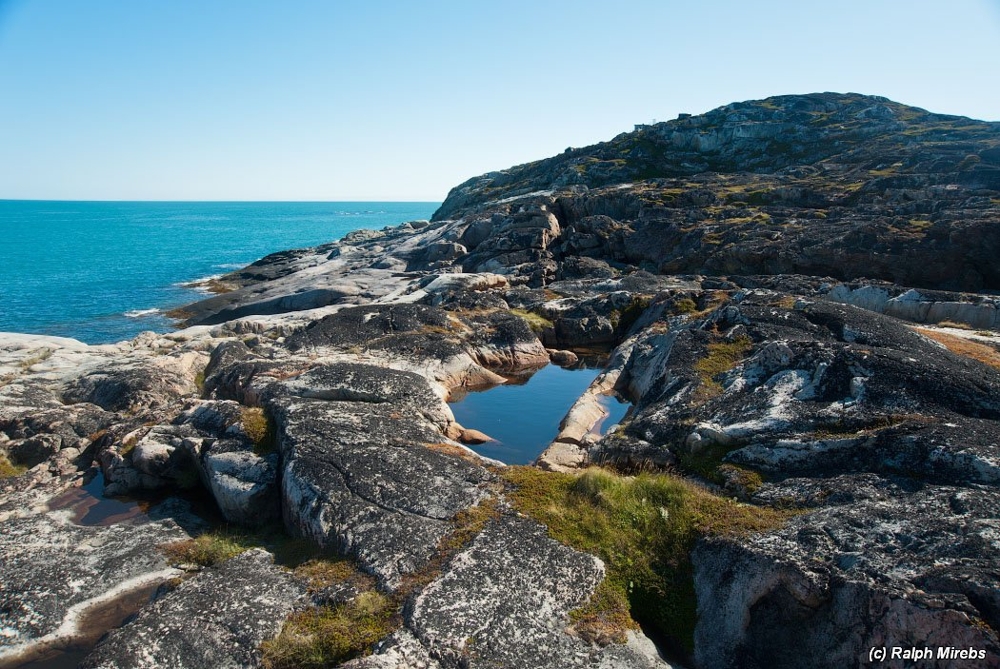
984	353
258	427
536	322
721	357
209	549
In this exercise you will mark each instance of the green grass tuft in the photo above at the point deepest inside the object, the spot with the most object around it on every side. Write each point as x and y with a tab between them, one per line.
259	428
721	357
208	549
325	636
8	470
644	528
536	322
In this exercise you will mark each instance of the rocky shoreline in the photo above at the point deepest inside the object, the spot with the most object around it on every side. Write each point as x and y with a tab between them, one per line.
795	294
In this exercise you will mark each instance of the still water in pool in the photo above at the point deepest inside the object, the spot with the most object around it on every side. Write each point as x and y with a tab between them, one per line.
523	416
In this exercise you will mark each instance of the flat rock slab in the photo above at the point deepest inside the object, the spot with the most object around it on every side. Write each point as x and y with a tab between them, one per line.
217	619
359	478
505	602
52	572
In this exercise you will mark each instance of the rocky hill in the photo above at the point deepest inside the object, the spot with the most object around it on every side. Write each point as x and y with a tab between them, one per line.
794	296
845	186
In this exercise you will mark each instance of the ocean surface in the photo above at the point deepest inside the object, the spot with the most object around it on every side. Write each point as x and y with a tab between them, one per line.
105	271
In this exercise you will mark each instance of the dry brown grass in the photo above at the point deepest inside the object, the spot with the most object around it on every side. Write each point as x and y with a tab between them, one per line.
971	349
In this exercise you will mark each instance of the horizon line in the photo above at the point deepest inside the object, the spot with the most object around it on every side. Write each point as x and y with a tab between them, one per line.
18	199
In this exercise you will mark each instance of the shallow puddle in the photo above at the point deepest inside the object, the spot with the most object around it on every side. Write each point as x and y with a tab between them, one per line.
192	510
91	507
523	415
93	625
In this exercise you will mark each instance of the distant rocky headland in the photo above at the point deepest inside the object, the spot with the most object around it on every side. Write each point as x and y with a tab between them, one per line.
798	297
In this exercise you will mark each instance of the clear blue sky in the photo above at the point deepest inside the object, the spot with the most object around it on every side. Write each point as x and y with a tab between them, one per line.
337	100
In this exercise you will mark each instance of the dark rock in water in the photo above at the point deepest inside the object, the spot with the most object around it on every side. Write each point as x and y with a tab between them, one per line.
563	358
219	618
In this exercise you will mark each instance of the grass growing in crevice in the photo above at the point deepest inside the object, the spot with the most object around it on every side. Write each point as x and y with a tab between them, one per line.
644	528
721	357
466	525
9	470
536	322
626	318
325	636
199	382
218	545
209	549
705	460
260	429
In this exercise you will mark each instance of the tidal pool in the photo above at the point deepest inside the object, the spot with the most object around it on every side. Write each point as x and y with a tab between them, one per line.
523	415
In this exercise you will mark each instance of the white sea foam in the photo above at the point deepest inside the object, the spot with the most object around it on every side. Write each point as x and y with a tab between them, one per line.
142	313
199	285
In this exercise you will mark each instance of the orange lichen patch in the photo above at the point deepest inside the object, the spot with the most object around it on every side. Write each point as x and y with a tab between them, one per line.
971	349
453	450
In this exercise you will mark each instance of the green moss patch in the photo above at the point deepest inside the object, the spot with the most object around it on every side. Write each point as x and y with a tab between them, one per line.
720	357
259	428
644	528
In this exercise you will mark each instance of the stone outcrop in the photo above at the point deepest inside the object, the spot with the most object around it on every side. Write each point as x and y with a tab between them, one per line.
55	571
752	275
218	618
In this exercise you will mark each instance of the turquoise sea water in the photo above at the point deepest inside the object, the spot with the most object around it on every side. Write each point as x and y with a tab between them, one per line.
75	269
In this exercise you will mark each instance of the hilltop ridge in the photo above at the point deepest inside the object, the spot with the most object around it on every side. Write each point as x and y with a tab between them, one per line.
826	184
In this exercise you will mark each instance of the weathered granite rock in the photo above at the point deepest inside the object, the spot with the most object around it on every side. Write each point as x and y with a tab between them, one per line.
52	572
216	619
505	601
893	570
822	388
358	477
407	393
133	385
243	484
